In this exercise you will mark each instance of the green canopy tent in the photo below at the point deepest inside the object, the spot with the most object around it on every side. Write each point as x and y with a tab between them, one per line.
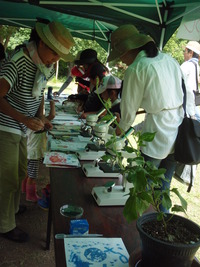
92	19
25	15
190	26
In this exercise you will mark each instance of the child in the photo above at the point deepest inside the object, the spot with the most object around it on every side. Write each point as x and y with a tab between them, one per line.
36	143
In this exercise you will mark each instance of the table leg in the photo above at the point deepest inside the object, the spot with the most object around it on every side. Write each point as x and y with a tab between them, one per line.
49	222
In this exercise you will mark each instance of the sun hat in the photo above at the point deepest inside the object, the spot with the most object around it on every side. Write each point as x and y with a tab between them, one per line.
126	38
57	37
109	82
87	56
194	46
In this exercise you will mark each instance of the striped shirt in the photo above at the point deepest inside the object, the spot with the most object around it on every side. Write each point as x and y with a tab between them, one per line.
20	73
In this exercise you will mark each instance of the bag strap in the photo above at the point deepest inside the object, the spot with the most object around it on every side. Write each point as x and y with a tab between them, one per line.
191	179
197	87
184	97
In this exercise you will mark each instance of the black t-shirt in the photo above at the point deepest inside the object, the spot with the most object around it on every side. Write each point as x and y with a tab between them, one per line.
92	103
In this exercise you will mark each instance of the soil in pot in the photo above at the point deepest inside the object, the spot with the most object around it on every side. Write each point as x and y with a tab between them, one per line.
177	232
176	248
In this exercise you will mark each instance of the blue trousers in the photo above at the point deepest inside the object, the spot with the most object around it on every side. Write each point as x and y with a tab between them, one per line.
169	164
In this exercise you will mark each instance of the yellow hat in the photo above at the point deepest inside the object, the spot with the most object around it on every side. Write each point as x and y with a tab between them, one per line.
124	39
57	37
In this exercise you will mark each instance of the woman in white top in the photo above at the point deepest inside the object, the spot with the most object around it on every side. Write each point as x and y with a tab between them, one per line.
152	81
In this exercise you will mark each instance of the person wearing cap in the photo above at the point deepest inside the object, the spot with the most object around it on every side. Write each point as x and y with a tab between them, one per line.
152	81
110	88
190	69
22	83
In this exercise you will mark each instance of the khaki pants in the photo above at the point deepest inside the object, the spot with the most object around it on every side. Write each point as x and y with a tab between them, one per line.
13	168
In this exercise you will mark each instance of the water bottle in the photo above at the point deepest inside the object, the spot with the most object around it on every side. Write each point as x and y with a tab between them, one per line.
50	94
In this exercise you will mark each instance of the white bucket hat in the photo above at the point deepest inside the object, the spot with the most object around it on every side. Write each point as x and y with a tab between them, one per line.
194	46
109	82
57	37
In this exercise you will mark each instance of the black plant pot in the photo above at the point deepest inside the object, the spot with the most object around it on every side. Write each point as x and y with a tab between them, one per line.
157	253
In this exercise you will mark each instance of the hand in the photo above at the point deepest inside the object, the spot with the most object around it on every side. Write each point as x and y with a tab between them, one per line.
83	115
47	124
193	117
118	116
35	124
118	131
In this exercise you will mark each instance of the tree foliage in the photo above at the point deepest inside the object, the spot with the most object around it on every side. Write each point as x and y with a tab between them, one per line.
16	36
175	48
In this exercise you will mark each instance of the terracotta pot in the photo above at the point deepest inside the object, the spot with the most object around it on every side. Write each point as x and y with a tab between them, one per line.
159	253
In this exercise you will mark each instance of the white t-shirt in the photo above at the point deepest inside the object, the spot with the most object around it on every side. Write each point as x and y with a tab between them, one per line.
189	73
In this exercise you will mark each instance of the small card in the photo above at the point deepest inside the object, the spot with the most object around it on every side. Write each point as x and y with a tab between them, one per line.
97	252
73	146
62	159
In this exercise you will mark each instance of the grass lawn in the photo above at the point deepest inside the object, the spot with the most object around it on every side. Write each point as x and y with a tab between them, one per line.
192	198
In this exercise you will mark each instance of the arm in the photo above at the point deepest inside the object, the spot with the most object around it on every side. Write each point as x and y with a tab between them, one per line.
40	114
52	111
32	123
132	94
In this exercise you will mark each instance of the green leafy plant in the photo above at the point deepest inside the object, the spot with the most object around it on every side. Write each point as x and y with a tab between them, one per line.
145	177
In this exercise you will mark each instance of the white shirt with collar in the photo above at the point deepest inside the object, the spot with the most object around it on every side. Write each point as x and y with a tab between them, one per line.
154	84
189	73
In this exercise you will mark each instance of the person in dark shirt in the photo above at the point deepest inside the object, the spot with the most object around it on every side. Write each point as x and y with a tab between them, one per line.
94	71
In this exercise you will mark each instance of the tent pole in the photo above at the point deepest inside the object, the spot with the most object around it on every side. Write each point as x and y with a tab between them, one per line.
163	29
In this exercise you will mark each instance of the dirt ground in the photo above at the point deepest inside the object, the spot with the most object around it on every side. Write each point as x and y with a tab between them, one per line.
34	222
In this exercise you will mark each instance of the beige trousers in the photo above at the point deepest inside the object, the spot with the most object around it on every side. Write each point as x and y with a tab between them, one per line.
13	168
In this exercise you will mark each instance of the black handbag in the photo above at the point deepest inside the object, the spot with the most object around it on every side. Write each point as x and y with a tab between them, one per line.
187	145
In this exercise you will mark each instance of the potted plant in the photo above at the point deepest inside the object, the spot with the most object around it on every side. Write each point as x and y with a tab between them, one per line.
167	240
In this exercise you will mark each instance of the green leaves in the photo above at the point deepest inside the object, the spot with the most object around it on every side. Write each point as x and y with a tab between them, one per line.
182	200
145	137
135	207
146	179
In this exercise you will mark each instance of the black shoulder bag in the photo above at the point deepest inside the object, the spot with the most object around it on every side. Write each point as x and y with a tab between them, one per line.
187	145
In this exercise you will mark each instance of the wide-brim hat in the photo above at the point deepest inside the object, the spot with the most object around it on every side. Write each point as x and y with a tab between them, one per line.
194	46
126	38
57	37
87	56
109	82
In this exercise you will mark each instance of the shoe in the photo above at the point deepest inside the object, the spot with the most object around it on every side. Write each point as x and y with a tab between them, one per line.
16	235
22	209
31	194
24	185
43	203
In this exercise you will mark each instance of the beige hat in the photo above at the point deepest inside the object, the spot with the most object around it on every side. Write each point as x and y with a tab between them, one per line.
124	39
194	46
57	37
109	82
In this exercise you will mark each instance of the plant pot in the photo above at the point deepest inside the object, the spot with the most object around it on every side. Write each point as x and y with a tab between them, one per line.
161	253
